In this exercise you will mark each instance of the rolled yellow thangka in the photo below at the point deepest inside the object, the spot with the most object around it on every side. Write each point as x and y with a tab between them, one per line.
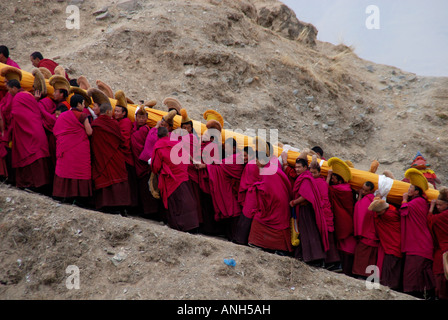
294	234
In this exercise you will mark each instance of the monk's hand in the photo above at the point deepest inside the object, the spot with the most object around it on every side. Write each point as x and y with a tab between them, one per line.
433	204
37	94
292	203
405	197
284	158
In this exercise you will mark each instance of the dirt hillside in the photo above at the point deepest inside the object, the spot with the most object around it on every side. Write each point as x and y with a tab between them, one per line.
132	258
261	68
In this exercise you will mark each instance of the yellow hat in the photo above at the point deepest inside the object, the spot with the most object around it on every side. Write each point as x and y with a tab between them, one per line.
388	174
59	82
172	103
169	117
98	96
349	163
416	178
105	88
378	205
121	99
185	117
59	70
214	120
141	111
374	166
83	83
314	164
10	73
45	72
83	93
340	168
39	82
150	103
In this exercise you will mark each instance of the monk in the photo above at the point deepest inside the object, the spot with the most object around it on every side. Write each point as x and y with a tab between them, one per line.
73	173
29	143
343	203
151	138
48	106
190	138
270	229
174	186
125	124
150	207
5	58
6	138
438	225
247	196
416	244
332	260
366	251
224	180
388	226
313	233
37	60
109	174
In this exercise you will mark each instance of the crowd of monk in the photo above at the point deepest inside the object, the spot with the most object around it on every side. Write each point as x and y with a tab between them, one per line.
75	147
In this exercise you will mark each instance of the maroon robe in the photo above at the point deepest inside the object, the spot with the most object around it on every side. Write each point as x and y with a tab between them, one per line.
108	164
29	142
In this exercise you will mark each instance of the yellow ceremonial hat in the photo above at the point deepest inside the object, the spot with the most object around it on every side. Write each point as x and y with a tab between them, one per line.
416	178
45	72
151	103
121	99
169	117
10	73
105	88
83	83
39	82
98	96
59	82
172	103
185	117
214	120
83	93
341	168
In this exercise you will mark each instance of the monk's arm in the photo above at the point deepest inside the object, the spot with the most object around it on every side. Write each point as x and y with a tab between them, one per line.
297	201
88	127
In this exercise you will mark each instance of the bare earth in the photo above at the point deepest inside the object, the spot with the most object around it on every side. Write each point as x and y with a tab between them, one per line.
261	68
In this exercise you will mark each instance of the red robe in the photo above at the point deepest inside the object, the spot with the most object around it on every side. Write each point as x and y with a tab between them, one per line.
273	196
388	227
364	226
108	162
247	196
224	180
438	225
170	175
341	198
138	138
305	186
415	236
29	142
126	131
72	148
12	63
323	187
